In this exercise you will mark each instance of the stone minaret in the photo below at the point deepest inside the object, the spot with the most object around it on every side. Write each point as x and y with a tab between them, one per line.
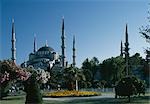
63	45
126	51
34	50
121	49
46	44
73	56
13	40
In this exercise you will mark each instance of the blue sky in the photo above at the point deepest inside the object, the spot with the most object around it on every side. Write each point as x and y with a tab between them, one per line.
98	26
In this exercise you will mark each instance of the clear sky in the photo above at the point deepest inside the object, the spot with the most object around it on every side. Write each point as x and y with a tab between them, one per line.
98	25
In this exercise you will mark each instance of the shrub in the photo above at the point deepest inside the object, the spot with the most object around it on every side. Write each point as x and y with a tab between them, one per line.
32	89
9	72
139	85
4	89
129	86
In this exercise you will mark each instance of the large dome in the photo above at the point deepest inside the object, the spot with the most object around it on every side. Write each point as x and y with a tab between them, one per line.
46	48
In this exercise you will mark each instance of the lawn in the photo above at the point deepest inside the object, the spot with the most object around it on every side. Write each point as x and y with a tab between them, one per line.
136	100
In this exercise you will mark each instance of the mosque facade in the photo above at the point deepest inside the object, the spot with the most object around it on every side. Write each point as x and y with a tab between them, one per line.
45	57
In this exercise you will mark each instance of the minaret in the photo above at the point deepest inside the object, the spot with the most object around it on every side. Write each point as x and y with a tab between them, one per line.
13	40
126	51
63	44
46	44
34	50
74	62
73	56
121	49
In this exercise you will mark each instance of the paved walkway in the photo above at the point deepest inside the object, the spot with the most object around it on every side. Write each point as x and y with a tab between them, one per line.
83	98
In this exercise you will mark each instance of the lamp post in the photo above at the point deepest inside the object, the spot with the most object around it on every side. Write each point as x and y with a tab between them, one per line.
76	82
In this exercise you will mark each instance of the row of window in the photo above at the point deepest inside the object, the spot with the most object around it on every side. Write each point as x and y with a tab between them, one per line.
43	52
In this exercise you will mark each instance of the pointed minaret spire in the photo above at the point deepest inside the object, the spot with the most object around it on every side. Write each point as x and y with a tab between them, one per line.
63	44
73	56
121	49
34	50
46	44
13	40
126	33
126	51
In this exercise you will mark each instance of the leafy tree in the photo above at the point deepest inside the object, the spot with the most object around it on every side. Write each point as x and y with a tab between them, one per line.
56	77
69	78
70	75
125	87
112	69
129	86
145	31
90	68
136	62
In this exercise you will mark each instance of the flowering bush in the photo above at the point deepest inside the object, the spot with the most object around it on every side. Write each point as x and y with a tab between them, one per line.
42	76
72	93
9	72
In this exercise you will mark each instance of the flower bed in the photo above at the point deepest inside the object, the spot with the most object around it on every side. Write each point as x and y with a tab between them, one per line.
71	94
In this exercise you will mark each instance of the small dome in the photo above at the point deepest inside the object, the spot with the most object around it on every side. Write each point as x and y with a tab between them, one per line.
46	48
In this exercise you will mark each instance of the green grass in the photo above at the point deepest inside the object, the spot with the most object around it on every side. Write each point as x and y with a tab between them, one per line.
13	100
136	100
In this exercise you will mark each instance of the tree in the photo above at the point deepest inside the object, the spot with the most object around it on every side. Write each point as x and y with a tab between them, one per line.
90	68
125	87
137	63
145	31
129	86
112	69
56	78
69	78
70	75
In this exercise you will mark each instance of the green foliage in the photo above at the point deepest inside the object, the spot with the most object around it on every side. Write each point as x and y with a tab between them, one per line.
70	75
125	87
56	78
139	64
32	89
90	68
129	86
145	32
112	69
4	89
139	85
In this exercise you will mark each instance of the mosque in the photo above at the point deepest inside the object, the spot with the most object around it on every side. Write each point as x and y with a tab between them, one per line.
45	57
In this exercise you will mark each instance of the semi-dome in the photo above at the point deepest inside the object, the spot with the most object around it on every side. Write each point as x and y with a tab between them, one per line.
46	48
